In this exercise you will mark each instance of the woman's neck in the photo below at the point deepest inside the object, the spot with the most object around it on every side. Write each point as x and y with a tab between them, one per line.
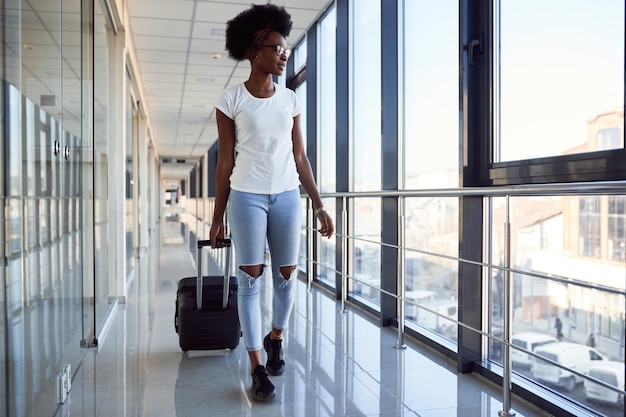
260	86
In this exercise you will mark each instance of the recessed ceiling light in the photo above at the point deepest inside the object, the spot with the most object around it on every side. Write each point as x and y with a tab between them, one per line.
218	32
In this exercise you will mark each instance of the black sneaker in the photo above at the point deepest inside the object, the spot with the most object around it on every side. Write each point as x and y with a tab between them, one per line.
262	387
275	363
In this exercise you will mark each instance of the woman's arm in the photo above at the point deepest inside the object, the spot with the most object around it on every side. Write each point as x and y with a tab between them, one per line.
305	172
225	164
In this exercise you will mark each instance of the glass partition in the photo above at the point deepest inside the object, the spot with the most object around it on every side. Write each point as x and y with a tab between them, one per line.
131	134
105	283
42	172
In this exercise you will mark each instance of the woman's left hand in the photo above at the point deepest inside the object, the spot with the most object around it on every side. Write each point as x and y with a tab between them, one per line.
327	227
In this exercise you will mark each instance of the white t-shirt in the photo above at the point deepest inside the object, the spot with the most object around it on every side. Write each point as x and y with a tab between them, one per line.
264	162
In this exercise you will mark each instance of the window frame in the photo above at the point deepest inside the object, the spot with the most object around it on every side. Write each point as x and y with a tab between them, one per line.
480	84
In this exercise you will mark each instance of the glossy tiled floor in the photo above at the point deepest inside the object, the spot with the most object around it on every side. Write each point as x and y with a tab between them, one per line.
338	364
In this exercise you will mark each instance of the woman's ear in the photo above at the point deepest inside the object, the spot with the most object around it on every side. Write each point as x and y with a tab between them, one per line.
252	54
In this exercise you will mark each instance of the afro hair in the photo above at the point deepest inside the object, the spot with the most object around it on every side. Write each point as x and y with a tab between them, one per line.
249	27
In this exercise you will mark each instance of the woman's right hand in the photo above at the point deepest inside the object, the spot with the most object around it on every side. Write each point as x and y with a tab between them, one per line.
216	233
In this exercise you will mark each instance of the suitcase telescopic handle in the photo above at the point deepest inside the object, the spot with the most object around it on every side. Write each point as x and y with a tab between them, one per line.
221	243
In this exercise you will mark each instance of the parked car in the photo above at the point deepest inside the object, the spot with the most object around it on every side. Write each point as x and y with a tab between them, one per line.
529	341
447	308
571	355
611	372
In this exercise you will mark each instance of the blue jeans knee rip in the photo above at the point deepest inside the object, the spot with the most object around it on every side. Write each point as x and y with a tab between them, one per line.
285	281
252	280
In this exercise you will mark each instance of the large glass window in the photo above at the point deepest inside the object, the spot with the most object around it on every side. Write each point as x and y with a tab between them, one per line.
430	96
431	276
553	78
552	299
327	103
430	126
616	244
301	93
327	168
365	73
589	229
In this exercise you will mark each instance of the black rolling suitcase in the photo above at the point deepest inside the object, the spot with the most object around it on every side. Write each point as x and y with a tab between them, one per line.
206	308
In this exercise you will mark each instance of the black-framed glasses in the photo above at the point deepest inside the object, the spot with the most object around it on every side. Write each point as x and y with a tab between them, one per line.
278	49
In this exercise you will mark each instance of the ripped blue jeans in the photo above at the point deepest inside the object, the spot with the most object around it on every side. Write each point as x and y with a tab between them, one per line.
257	219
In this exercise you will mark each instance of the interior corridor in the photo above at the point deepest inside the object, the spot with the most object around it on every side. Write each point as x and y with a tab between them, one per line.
338	364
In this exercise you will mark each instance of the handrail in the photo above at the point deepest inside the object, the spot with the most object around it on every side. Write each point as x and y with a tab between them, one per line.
554	278
577	188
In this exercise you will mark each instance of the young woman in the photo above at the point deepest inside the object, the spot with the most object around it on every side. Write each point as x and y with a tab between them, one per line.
261	163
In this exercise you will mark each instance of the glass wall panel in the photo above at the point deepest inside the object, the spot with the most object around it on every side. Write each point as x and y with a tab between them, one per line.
365	73
556	78
430	93
365	79
299	56
131	132
301	93
327	103
366	248
430	126
105	283
327	169
42	289
431	269
553	294
303	255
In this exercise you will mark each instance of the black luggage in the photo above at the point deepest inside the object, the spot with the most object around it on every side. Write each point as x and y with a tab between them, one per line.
206	308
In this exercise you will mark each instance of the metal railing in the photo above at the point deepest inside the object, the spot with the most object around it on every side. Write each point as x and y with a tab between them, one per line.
578	189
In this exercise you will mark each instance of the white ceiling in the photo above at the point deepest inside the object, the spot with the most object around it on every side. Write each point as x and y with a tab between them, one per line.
181	59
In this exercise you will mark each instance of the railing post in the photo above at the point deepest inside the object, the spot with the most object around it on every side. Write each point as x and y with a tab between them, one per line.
309	250
508	316
400	301
344	254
